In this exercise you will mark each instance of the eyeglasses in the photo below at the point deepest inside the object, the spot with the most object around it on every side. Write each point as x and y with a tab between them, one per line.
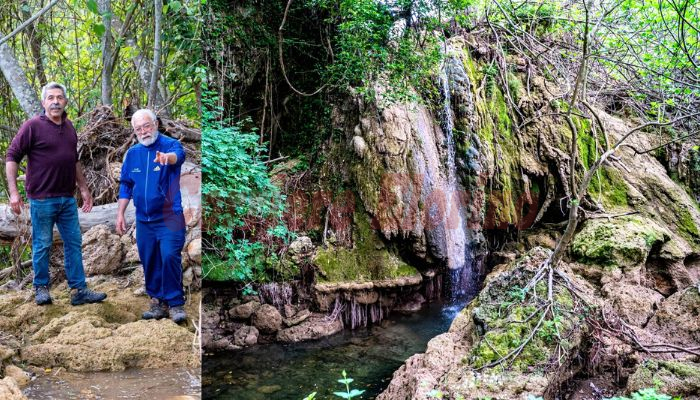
143	128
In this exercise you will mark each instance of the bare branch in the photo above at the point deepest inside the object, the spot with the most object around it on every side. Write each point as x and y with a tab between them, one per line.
28	22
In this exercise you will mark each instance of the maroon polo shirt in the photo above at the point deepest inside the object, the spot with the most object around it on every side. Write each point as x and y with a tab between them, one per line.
52	154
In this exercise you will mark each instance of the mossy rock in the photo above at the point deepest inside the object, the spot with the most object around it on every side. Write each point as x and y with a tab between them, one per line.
610	188
367	260
504	316
672	377
623	242
286	270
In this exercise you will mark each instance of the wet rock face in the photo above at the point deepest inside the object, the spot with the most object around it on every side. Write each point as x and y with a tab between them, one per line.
313	327
267	319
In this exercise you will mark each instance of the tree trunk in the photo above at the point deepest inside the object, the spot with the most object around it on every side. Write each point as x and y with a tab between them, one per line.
35	46
141	63
105	8
18	82
153	86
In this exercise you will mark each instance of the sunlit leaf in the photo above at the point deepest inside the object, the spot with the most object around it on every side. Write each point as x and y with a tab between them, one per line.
98	29
92	6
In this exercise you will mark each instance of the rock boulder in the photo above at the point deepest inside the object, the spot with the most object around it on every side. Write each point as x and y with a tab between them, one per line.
102	251
267	319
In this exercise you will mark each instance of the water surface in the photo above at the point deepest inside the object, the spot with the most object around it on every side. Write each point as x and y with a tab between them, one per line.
369	355
152	384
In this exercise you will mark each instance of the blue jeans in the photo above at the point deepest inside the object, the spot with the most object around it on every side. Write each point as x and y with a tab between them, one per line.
63	212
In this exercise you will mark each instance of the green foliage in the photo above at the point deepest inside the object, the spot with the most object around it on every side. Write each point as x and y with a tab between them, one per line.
373	44
647	394
68	50
240	202
538	15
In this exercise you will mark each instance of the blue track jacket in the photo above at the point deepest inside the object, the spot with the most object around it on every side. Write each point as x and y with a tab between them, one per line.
155	188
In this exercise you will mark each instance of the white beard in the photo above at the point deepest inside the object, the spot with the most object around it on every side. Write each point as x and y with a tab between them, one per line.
150	141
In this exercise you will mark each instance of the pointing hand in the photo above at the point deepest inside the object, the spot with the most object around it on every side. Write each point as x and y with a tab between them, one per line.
164	158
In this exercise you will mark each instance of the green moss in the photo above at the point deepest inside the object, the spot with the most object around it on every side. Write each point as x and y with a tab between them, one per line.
499	113
610	187
113	314
515	87
586	143
506	316
470	67
682	370
564	299
672	377
368	176
367	260
618	242
54	311
493	126
286	270
686	224
485	129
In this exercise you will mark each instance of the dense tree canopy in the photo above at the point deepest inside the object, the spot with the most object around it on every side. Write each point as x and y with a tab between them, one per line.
66	45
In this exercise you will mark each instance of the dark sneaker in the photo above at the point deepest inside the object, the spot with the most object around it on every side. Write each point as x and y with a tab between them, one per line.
42	295
177	314
158	310
85	295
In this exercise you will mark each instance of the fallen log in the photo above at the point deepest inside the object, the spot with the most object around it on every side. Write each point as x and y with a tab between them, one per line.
12	225
179	131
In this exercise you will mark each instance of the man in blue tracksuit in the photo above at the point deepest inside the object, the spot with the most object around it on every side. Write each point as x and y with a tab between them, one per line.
151	176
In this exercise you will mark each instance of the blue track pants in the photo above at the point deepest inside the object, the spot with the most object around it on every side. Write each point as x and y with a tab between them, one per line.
160	245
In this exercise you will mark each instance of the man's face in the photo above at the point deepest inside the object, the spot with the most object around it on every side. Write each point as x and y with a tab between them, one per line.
146	130
54	103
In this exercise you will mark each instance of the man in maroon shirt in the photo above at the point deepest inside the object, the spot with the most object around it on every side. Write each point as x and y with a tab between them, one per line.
50	143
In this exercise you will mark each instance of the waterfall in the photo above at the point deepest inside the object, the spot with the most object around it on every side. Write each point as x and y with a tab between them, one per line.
459	258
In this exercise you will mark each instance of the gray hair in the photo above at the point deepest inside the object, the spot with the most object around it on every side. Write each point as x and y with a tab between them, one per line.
143	112
52	85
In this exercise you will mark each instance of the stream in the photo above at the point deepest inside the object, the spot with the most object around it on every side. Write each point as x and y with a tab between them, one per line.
292	371
153	384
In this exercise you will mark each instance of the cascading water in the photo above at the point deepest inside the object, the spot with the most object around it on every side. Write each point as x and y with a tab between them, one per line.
459	257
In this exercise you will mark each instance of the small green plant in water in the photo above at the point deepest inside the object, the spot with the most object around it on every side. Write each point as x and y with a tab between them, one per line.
347	394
